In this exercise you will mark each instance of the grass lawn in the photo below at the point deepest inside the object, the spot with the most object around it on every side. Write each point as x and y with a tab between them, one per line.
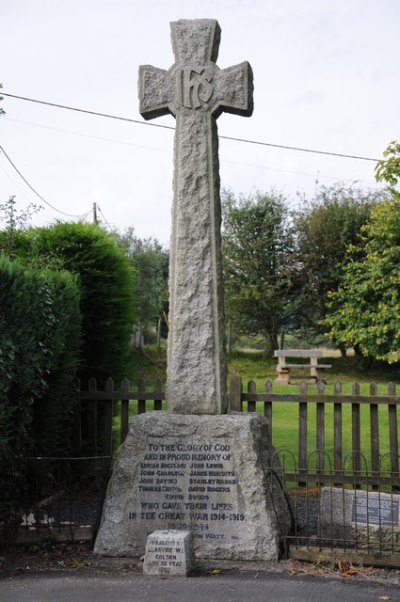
150	364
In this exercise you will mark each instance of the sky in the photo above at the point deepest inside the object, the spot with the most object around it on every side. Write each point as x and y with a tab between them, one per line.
326	77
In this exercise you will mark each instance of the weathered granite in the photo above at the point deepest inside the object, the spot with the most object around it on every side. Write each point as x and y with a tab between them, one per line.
168	553
193	470
360	518
196	92
204	474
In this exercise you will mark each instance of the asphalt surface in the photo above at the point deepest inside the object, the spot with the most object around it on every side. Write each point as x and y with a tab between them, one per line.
254	587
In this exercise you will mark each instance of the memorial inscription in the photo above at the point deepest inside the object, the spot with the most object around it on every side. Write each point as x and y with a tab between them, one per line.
375	511
168	553
207	475
189	486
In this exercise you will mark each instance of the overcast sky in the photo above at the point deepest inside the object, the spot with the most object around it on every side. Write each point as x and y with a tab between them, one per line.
326	76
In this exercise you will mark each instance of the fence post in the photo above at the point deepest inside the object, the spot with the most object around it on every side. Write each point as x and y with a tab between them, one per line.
302	435
235	394
374	422
356	435
268	410
108	419
337	437
393	436
125	386
320	430
141	401
157	395
251	388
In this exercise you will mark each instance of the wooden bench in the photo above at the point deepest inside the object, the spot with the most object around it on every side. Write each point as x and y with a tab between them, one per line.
285	370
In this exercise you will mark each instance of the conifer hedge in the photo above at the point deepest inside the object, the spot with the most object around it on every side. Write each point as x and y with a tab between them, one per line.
107	282
39	351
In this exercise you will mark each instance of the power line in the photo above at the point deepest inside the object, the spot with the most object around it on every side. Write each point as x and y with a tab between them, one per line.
35	191
168	127
84	135
103	216
126	143
86	111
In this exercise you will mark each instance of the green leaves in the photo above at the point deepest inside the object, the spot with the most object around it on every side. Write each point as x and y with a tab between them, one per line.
388	169
150	262
364	311
329	230
261	278
39	344
106	281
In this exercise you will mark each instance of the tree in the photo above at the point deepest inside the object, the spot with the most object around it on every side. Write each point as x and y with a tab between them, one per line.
388	169
325	227
260	275
150	261
13	220
364	311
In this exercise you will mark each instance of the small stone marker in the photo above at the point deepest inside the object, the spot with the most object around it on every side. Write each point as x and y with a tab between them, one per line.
168	553
196	92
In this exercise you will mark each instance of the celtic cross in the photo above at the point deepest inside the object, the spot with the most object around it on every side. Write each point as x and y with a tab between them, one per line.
196	91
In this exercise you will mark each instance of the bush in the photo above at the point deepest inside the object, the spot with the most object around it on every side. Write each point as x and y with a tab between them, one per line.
107	290
39	349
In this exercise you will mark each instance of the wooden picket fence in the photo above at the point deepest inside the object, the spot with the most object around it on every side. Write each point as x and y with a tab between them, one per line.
339	472
94	432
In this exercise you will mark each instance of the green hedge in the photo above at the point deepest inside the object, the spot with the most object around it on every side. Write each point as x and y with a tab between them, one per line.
107	283
39	351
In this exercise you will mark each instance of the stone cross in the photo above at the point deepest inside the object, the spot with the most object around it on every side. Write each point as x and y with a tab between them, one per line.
195	91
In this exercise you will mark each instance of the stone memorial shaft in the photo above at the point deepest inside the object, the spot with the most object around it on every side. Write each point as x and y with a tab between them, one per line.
195	91
190	472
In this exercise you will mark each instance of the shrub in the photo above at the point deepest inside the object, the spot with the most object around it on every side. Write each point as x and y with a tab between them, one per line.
107	290
39	346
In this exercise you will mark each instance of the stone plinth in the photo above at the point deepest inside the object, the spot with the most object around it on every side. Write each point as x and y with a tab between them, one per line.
203	474
168	553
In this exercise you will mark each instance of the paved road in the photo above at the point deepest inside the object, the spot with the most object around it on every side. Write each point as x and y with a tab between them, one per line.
254	587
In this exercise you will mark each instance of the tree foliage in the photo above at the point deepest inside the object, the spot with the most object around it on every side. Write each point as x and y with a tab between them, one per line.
150	261
325	227
107	289
388	169
261	279
39	353
13	220
364	311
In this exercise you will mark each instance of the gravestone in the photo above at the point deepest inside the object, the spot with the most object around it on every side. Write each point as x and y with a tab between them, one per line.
195	468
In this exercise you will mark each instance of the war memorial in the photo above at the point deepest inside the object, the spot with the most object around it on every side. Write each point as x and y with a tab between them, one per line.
195	473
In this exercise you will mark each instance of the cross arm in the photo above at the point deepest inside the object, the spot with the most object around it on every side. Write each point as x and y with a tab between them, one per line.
235	90
155	92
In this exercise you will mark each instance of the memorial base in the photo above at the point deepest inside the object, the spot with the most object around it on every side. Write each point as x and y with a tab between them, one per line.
205	474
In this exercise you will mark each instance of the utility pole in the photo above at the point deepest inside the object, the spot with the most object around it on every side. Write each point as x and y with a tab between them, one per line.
95	220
